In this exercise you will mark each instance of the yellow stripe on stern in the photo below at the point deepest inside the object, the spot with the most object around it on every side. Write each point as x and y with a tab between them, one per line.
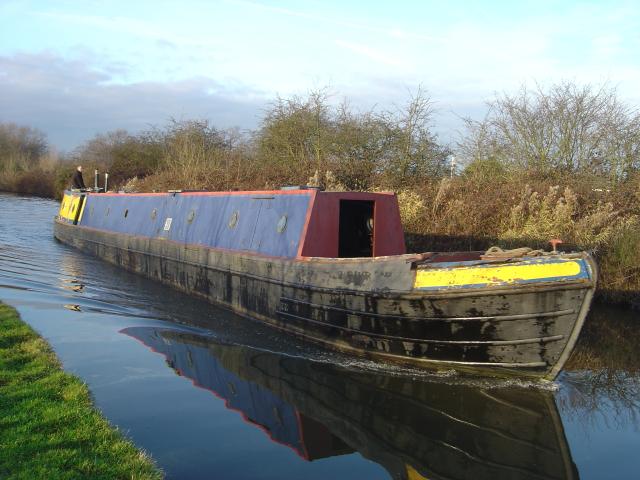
476	275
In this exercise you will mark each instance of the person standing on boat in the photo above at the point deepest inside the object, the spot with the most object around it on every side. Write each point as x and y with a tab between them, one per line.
78	182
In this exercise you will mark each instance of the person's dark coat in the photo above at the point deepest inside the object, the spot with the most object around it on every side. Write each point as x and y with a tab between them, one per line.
77	181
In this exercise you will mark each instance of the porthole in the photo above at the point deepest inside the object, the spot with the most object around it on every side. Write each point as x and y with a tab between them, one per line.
154	214
282	224
233	220
126	212
191	216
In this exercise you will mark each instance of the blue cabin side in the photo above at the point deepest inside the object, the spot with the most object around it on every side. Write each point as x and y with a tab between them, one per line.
258	222
282	223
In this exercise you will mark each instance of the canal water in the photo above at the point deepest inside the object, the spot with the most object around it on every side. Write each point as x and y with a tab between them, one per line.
211	395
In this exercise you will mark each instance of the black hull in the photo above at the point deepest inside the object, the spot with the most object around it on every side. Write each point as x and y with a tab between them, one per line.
497	331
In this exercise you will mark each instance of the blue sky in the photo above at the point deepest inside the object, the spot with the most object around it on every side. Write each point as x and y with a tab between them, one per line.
77	68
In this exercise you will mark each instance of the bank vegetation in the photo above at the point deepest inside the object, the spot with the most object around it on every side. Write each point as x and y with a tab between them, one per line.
557	162
49	428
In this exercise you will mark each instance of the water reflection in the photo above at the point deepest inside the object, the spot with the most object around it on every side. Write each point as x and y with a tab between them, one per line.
414	429
602	376
72	272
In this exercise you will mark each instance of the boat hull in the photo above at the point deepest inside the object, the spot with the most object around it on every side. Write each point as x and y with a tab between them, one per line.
369	308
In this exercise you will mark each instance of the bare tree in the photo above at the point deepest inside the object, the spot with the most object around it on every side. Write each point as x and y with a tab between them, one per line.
21	147
302	135
567	128
413	151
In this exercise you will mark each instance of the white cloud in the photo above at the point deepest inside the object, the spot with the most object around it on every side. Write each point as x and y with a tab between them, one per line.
607	45
379	56
70	102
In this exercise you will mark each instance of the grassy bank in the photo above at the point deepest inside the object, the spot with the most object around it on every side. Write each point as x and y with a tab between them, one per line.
49	428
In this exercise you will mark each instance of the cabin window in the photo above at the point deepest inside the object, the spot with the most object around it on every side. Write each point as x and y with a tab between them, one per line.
356	229
233	220
282	224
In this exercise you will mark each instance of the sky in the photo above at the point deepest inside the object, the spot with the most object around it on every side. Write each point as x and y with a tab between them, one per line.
74	69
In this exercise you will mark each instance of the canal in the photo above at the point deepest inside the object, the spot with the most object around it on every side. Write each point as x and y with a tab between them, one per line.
211	395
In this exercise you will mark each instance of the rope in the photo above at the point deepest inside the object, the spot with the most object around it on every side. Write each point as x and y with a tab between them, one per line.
497	252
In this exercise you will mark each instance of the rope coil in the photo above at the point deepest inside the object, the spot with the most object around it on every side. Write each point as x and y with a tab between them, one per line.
497	252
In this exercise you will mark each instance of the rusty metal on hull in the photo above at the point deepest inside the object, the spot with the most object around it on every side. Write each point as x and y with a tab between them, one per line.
367	308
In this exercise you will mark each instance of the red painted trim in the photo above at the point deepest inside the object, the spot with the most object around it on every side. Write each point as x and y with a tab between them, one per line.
116	194
343	195
256	192
208	194
305	451
303	237
323	232
358	195
374	243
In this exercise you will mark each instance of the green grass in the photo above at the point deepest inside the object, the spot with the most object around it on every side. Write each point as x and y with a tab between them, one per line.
49	428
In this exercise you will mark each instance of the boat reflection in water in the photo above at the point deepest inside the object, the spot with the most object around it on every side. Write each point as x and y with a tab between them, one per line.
413	428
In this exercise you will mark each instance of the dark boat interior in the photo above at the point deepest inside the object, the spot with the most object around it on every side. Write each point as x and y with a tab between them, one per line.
356	229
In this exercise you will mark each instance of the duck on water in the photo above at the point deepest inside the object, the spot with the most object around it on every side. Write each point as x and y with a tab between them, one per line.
332	267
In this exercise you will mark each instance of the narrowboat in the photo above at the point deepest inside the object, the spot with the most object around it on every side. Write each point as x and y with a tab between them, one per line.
415	429
332	267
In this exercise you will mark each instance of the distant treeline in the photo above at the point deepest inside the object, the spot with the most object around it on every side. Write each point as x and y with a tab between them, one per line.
561	162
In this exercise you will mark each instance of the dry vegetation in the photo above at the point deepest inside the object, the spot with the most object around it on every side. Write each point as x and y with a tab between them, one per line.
557	163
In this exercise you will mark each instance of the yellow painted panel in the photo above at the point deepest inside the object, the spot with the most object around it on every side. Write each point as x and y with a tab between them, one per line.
75	208
69	206
65	208
63	205
500	274
71	209
412	474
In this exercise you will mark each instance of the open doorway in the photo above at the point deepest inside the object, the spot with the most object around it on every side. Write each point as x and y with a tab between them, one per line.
356	231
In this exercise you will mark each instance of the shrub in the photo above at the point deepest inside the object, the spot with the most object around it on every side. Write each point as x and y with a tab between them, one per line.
620	262
412	209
